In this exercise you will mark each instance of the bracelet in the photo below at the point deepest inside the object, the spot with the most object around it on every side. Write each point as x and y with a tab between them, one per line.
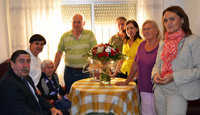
135	79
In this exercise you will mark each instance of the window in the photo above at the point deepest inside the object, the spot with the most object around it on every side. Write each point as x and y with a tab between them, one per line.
99	16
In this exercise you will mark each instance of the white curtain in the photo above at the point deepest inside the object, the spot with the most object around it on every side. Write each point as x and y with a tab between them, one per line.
150	10
28	17
4	47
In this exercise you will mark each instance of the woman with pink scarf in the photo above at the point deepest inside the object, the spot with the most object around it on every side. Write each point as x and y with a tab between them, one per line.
176	73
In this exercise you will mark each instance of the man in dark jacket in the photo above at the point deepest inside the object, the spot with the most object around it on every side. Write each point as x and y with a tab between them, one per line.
17	89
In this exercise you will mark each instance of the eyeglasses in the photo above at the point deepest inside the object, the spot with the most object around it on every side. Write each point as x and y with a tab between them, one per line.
37	43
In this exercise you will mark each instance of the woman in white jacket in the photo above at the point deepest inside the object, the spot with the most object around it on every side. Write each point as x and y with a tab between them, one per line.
177	69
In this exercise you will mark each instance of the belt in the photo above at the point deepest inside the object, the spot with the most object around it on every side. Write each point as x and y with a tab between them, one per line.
77	69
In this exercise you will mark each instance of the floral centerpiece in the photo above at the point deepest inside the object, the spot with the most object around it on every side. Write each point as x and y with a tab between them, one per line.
103	56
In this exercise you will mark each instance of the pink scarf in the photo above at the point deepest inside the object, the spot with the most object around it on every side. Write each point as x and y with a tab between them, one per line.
170	50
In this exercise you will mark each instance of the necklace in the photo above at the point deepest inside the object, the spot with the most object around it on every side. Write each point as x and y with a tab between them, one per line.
151	46
130	42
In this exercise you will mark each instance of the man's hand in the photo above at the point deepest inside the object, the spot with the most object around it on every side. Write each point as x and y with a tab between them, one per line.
50	101
55	111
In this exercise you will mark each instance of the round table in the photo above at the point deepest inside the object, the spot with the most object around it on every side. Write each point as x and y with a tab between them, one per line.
89	96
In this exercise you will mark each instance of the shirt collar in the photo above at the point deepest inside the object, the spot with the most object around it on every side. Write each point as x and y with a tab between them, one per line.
34	58
79	36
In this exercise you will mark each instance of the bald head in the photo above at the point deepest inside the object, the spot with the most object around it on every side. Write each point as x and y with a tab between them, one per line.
77	23
78	16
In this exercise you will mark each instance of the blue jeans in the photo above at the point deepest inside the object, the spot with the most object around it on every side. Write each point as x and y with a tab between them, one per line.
71	76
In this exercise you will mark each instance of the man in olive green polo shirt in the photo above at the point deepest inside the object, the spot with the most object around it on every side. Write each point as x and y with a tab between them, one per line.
117	39
75	43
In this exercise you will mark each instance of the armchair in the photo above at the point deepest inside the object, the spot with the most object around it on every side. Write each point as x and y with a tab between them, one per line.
4	67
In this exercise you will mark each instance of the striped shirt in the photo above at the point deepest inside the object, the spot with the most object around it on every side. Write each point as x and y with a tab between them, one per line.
75	49
115	40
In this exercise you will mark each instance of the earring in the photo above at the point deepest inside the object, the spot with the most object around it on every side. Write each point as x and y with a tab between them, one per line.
183	24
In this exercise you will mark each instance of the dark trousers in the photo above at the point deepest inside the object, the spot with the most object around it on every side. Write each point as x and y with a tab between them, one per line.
121	75
63	105
72	75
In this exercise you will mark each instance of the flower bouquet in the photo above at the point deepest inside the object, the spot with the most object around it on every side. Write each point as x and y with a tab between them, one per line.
103	57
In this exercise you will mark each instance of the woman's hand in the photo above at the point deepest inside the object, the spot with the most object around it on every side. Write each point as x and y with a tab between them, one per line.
121	83
66	95
157	78
163	80
59	97
168	78
114	74
50	101
55	111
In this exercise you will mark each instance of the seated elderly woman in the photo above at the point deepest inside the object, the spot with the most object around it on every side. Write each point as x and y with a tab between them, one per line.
50	87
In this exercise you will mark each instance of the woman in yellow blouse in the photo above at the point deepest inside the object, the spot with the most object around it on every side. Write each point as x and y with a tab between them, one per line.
130	47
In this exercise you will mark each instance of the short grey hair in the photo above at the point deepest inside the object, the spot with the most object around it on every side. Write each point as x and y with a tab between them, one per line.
45	62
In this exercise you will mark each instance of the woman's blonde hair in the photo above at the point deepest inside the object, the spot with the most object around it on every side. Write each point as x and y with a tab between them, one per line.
154	24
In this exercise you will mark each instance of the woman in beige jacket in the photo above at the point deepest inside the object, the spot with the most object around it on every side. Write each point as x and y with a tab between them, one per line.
177	69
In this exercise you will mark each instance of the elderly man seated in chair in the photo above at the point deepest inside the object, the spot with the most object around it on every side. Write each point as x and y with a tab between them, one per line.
51	89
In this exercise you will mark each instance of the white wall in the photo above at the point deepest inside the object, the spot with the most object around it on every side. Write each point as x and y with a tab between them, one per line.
192	8
4	49
168	3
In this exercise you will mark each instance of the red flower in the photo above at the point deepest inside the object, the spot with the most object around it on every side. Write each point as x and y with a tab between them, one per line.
100	54
117	50
94	53
106	54
107	45
100	45
112	53
94	48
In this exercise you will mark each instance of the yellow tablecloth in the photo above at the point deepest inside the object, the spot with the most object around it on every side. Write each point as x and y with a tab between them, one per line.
91	96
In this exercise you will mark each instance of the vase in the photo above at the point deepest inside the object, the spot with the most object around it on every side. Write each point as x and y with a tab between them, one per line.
104	76
95	75
99	70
